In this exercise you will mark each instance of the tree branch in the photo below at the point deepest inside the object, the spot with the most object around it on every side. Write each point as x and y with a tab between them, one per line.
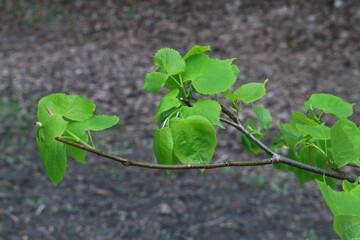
274	159
282	159
128	162
267	161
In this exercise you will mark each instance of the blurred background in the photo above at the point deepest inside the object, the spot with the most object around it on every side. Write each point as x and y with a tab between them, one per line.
102	50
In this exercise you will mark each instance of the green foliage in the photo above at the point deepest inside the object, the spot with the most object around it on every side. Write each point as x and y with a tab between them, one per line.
206	108
209	75
194	139
196	50
264	119
72	107
51	151
346	210
329	104
163	145
169	61
310	140
155	81
345	142
251	92
263	116
169	101
187	114
67	116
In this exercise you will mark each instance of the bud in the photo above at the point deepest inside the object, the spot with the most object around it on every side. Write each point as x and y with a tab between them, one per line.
49	111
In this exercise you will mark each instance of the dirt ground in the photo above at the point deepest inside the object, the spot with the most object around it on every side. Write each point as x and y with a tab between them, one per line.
102	51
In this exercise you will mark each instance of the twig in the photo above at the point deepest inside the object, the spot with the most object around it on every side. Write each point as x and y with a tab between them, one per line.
267	161
128	162
249	135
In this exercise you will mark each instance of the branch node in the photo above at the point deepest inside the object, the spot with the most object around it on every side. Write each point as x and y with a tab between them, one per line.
276	158
126	163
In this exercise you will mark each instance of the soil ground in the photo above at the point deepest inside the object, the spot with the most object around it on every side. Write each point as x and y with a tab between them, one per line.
102	50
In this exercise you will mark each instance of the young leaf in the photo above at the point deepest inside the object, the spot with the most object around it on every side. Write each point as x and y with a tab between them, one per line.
52	152
309	155
329	104
345	142
73	107
206	108
320	132
301	118
194	139
263	116
208	75
196	50
95	123
163	147
173	82
341	203
347	227
170	61
167	102
345	207
249	145
290	134
154	81
251	92
229	95
235	69
77	153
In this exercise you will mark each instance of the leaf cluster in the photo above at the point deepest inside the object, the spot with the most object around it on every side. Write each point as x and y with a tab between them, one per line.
187	133
310	139
71	117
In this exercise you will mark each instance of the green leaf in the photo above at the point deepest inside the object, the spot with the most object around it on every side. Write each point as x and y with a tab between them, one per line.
290	135
235	69
345	207
301	118
345	142
167	102
229	95
73	107
311	156
320	132
341	203
206	108
172	82
348	186
251	92
95	123
163	147
249	145
196	50
77	153
208	75
52	152
170	61
347	227
194	139
155	81
329	104
263	116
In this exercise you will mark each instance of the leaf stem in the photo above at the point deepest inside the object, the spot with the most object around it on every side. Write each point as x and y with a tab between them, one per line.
78	140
